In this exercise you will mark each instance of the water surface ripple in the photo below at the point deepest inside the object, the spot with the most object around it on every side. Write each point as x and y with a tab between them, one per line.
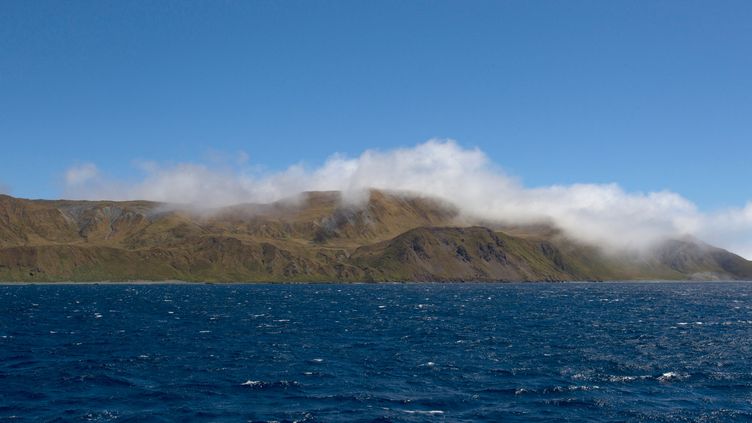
383	353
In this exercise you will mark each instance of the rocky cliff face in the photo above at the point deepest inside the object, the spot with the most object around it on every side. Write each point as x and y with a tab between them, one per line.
316	237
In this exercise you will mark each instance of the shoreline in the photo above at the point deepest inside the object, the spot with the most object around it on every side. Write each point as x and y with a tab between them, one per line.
179	282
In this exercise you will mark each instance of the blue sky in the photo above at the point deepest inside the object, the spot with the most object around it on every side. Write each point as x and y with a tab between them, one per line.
652	95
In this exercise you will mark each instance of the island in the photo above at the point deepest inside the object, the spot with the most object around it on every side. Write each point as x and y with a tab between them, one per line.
317	237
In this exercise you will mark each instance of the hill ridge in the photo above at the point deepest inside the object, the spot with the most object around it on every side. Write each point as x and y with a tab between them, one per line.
315	237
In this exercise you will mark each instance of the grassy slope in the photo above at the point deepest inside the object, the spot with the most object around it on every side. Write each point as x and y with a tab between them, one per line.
316	238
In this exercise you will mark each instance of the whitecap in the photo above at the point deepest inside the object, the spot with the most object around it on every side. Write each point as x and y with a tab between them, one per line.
669	376
428	412
251	383
583	387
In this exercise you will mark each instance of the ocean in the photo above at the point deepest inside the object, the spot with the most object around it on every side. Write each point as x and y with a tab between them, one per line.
537	352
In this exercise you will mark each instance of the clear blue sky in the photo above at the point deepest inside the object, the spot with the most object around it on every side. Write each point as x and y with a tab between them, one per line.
649	94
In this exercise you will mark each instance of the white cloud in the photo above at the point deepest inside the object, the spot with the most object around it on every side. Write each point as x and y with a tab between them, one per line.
242	157
731	229
599	213
81	174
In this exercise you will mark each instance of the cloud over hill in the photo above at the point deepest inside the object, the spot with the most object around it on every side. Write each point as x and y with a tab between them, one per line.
604	214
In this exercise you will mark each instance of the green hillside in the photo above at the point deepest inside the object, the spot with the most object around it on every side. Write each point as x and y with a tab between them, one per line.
393	237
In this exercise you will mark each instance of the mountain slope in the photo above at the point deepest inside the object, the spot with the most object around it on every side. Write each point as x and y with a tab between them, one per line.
316	237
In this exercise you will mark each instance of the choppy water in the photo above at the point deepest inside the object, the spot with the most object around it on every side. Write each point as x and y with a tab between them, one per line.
401	352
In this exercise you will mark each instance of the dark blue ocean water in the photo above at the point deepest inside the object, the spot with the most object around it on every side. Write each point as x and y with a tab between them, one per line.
398	352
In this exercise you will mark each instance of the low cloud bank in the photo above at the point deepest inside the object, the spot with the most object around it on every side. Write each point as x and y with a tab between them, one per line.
603	214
